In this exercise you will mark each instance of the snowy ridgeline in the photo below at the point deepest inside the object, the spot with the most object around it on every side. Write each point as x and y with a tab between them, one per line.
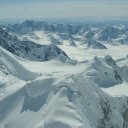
41	87
71	34
62	99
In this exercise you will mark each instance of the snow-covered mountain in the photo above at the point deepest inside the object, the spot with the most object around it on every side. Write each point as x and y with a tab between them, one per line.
91	43
30	25
109	32
28	49
84	85
67	101
69	34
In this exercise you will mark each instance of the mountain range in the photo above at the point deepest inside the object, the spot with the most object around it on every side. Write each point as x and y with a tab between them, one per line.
63	75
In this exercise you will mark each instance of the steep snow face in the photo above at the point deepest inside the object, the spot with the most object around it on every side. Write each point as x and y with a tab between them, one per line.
105	110
111	73
91	43
27	49
10	66
65	102
38	99
4	74
55	41
66	99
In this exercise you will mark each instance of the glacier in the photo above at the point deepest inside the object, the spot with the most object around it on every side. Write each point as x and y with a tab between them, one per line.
63	75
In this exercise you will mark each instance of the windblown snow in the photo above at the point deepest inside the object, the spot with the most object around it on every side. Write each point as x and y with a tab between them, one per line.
63	76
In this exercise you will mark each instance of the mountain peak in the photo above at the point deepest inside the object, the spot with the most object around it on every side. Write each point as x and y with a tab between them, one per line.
28	49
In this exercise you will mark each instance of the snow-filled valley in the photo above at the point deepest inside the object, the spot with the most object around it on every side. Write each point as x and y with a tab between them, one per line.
63	75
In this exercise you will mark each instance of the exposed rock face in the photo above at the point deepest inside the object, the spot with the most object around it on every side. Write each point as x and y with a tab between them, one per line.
28	49
91	43
109	32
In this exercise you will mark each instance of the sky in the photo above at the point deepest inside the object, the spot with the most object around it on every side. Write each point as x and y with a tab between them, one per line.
11	9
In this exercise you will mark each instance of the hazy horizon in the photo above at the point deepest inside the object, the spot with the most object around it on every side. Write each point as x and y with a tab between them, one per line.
27	9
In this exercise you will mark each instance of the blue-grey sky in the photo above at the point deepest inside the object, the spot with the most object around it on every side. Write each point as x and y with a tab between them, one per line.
62	8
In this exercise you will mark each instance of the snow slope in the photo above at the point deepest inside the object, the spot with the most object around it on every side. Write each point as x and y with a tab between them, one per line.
65	102
82	87
14	68
64	96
